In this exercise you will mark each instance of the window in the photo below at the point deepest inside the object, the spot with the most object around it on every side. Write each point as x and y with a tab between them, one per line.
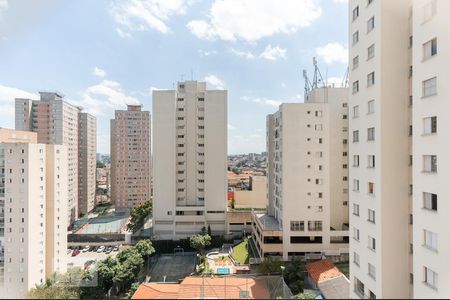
356	233
429	87
314	225
430	278
429	10
430	163
359	288
371	189
371	107
371	216
430	240
355	13
355	136
371	52
355	62
371	161
371	269
370	24
356	258
355	87
355	37
356	160
318	127
371	79
356	185
430	125
297	226
372	243
430	201
356	111
356	209
371	134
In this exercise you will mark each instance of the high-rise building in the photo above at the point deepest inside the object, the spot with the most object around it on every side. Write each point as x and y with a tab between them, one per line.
430	159
35	211
56	122
380	148
307	178
189	160
87	164
130	157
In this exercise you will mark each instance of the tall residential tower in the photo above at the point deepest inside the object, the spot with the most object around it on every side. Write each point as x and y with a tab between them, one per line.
189	160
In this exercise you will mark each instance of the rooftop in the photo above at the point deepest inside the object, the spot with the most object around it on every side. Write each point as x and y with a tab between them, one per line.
268	222
323	270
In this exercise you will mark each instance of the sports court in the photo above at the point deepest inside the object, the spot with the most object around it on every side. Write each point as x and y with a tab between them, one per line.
171	268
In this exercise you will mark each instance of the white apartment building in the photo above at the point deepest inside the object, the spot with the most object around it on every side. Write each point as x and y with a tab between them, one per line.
431	148
380	148
87	164
35	211
307	178
130	157
189	160
56	122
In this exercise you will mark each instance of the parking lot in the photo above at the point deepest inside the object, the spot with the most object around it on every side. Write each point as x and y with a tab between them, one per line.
83	257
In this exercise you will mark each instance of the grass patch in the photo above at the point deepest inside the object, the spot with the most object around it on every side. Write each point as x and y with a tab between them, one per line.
240	253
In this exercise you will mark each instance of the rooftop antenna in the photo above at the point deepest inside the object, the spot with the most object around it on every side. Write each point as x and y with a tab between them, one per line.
345	80
308	85
317	79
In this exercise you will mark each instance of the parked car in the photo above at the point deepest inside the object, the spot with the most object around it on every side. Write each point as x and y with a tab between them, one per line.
100	249
75	252
108	249
86	249
94	249
115	248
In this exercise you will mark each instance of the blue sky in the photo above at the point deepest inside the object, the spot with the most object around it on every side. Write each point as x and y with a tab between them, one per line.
103	54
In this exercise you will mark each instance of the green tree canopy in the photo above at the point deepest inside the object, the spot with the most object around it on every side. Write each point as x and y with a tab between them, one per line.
270	265
145	248
200	242
138	216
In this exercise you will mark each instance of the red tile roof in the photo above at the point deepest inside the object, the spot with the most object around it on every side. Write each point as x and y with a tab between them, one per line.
322	270
217	287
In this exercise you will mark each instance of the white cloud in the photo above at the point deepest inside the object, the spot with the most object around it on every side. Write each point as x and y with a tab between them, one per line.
333	52
270	53
3	4
273	53
207	53
7	98
263	101
99	72
246	54
341	1
141	15
231	127
215	82
107	94
251	20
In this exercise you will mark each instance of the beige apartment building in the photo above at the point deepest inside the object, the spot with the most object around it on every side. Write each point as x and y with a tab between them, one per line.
35	211
380	148
56	122
189	160
307	179
130	157
431	148
253	197
87	163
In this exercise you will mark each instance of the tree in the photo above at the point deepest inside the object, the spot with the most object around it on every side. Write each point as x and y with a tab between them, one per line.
209	230
270	266
126	271
200	242
133	289
138	216
106	272
55	287
306	296
294	275
145	248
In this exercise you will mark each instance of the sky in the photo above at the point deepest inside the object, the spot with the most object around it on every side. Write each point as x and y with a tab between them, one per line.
104	54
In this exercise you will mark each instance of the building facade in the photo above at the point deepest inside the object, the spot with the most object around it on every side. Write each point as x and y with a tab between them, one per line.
431	163
35	211
130	157
56	122
307	178
380	148
87	164
189	160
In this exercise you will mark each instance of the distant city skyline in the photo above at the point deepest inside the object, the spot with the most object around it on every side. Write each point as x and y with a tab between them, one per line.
126	51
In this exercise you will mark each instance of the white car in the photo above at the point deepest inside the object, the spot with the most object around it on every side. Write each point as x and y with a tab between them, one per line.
86	249
100	249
